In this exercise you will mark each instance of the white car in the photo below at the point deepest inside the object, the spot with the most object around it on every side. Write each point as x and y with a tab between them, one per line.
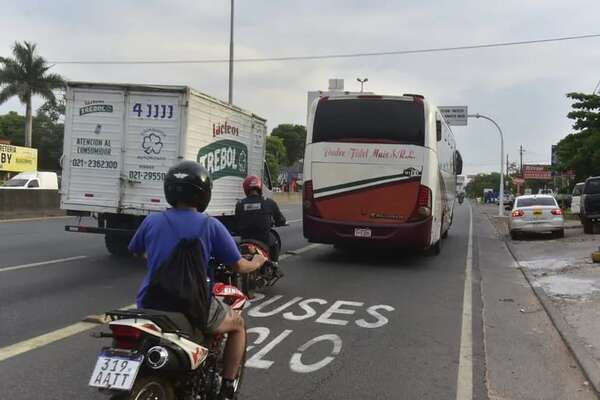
32	180
536	213
576	198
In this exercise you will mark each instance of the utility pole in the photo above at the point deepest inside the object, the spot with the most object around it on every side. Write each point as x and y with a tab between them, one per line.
507	172
521	156
231	56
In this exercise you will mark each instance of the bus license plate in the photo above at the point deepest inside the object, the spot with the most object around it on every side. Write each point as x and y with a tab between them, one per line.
115	372
362	232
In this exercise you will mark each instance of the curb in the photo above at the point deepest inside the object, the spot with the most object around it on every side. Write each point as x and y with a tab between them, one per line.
27	219
586	362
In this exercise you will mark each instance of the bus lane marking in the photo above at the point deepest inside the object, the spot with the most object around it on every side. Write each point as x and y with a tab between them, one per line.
319	311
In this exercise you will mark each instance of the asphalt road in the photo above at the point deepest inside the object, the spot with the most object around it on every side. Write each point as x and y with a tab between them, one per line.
340	325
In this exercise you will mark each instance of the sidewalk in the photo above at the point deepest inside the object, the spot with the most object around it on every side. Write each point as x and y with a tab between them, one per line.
568	284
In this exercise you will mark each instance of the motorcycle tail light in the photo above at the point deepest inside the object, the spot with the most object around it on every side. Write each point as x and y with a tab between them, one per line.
308	200
125	336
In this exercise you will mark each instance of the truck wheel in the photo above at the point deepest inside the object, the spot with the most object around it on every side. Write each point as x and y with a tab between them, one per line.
587	226
117	244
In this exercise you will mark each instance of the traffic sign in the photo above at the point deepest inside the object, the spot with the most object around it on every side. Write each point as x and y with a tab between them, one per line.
455	115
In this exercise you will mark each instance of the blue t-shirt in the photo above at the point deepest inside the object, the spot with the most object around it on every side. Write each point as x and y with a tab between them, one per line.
157	238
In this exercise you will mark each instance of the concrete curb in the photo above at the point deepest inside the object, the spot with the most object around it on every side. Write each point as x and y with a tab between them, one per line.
33	217
575	345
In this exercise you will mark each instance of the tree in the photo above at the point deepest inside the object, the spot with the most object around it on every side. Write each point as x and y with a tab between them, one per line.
48	133
476	185
294	138
25	76
580	151
276	155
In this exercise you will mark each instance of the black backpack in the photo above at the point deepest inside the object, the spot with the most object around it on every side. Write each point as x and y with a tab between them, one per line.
180	283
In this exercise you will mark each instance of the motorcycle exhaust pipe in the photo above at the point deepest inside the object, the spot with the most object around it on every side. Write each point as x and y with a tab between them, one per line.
157	357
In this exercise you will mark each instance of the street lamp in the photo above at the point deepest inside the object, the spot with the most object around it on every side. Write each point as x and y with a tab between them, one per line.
231	56
501	200
362	81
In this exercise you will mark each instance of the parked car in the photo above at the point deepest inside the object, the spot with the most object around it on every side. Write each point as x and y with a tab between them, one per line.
576	197
589	212
32	180
536	213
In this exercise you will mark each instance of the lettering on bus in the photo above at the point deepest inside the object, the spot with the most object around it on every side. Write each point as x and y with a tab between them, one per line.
366	154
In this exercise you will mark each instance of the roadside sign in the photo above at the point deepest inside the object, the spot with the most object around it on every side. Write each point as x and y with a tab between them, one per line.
455	115
518	181
537	171
17	159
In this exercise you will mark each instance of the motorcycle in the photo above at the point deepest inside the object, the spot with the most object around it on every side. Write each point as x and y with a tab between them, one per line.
267	276
461	198
160	355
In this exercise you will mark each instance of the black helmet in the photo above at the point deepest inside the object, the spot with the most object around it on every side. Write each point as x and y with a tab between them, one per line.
190	183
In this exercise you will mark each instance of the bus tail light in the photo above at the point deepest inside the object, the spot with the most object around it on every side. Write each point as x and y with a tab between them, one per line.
423	206
308	200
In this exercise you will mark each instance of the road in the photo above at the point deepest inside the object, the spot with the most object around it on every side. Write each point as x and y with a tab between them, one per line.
340	325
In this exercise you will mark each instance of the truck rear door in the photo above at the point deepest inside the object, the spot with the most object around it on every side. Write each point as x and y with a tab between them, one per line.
93	150
153	124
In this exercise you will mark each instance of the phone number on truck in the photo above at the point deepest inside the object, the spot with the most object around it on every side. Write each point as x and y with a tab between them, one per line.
147	176
78	162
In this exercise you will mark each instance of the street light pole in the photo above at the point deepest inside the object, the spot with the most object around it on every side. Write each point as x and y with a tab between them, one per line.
231	56
501	200
362	82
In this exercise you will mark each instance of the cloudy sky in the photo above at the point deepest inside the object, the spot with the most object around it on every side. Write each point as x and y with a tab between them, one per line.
522	87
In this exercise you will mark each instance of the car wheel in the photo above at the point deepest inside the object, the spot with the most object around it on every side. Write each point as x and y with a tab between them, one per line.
514	235
560	234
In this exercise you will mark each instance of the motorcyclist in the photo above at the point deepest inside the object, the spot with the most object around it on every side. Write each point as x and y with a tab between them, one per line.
255	215
188	188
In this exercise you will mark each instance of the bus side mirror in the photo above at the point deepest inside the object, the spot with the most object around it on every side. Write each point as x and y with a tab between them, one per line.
458	163
438	130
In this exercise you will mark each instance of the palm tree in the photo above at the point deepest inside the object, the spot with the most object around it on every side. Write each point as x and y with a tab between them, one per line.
27	75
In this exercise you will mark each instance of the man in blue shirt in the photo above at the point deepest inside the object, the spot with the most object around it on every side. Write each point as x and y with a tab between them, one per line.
188	189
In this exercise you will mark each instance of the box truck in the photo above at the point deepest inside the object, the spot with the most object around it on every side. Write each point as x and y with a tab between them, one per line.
121	139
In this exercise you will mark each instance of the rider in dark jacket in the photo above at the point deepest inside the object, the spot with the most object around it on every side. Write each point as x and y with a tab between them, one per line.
255	216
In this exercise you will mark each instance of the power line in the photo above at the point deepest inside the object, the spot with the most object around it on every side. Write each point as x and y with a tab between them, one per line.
331	56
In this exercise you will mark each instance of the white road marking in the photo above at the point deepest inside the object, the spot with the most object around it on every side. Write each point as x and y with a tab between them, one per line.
299	251
39	264
296	363
5	221
464	384
47	338
294	221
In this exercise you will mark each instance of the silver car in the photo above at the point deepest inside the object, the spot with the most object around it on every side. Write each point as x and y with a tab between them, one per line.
536	213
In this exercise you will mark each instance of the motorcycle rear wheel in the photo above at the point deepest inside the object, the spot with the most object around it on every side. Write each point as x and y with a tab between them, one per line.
150	387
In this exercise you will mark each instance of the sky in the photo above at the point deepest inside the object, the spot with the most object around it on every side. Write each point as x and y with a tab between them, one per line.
522	87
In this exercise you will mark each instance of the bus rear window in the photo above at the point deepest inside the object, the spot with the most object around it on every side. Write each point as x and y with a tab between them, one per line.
370	120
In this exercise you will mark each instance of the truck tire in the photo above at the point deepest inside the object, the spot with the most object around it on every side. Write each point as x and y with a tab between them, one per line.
116	244
588	227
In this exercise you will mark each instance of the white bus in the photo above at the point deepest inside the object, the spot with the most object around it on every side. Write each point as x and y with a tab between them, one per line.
379	170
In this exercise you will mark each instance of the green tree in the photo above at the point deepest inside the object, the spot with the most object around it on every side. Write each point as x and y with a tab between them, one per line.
12	126
276	155
294	138
476	185
25	76
580	151
48	133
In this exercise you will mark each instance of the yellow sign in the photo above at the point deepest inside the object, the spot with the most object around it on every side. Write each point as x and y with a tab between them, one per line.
17	159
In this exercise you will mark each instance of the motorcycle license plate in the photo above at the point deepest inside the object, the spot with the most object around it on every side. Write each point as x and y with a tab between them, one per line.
115	372
362	232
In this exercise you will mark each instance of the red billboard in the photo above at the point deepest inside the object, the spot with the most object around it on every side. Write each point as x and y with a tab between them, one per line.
537	171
